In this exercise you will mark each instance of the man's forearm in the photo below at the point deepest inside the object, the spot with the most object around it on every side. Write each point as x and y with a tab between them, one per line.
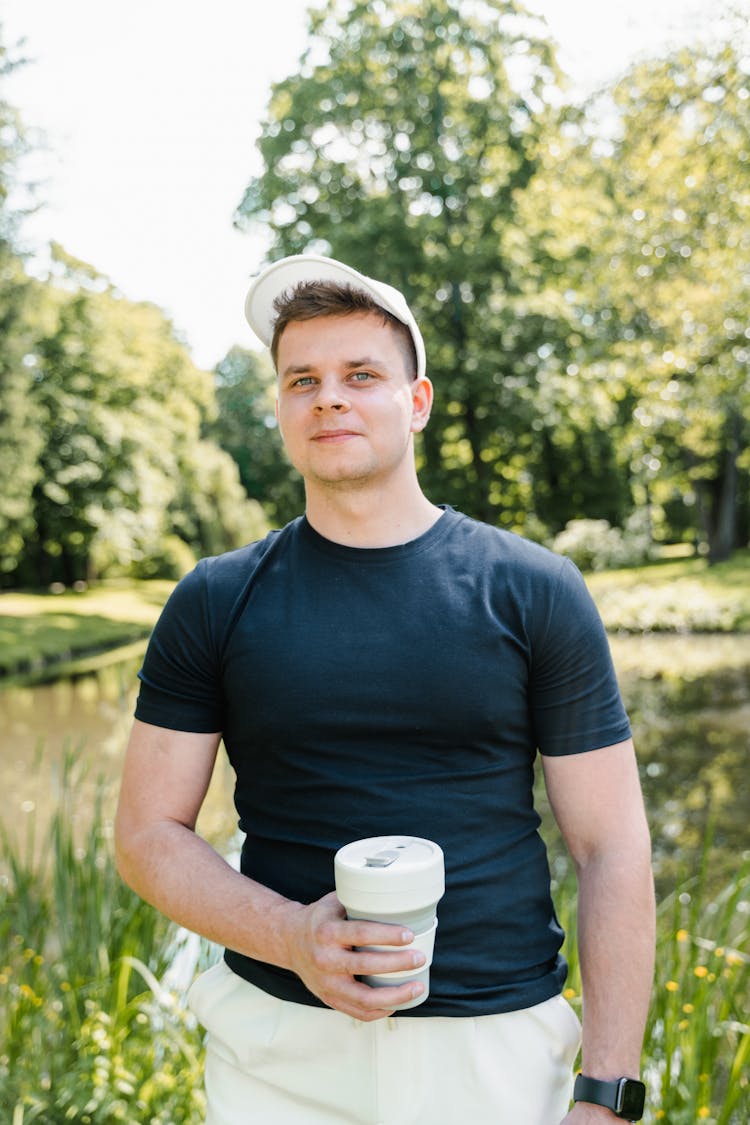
616	935
179	873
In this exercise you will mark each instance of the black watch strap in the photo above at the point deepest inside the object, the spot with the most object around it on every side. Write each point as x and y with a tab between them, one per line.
626	1097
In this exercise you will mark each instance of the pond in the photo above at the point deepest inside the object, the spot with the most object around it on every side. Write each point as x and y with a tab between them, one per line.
83	718
688	698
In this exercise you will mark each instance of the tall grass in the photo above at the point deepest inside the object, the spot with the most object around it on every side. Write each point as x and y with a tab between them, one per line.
91	1033
696	1055
87	1033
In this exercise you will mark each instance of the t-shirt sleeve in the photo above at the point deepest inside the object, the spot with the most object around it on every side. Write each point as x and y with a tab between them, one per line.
180	679
575	698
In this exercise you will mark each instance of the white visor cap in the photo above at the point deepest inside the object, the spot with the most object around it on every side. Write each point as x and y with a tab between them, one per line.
287	273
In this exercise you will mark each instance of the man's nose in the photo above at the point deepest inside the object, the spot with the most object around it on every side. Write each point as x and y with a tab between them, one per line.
331	396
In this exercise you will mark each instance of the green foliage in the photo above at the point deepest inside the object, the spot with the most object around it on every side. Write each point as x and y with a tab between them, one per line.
406	144
595	545
211	510
581	275
172	558
20	436
121	470
697	1043
672	274
89	1035
245	426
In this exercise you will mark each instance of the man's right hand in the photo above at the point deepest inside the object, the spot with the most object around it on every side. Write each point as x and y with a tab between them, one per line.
323	950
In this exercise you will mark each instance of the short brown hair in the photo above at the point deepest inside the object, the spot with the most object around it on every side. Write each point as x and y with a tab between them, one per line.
312	299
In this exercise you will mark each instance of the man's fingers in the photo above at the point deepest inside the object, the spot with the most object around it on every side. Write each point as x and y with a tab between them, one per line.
357	932
365	963
366	1003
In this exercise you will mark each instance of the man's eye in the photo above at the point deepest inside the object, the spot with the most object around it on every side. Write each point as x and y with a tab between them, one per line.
303	381
362	376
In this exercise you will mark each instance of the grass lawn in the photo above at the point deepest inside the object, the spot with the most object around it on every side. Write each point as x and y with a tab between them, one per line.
39	630
676	596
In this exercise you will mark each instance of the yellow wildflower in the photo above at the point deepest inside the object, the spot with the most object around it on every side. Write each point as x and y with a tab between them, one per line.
688	1008
569	993
682	935
671	986
700	971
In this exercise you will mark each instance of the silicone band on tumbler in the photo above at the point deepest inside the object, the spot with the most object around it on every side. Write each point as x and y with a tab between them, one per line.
425	942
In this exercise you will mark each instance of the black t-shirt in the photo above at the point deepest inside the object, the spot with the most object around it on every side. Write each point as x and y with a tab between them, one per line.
400	690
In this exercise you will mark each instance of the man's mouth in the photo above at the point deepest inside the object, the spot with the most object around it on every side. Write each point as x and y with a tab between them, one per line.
333	436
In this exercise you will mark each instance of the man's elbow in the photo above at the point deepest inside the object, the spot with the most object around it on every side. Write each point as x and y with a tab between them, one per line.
626	846
130	851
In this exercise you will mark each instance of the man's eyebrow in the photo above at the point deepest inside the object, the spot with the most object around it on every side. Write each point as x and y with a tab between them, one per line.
297	369
366	361
350	364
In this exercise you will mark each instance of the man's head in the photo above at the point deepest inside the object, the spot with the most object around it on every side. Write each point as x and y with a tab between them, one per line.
305	287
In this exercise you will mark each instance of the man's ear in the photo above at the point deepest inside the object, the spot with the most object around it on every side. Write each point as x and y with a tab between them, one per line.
422	396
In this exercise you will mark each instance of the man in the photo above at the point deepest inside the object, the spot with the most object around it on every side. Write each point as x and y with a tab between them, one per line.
384	665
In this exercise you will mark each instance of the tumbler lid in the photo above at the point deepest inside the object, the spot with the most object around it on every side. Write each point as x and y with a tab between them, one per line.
387	865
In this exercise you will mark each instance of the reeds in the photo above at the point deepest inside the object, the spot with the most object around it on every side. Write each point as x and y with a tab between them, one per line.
87	1033
696	1055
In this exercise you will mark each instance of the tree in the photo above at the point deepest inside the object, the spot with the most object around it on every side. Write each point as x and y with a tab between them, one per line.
673	270
20	435
123	466
245	426
211	511
405	145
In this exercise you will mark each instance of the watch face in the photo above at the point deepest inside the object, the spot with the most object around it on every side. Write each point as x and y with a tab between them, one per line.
632	1099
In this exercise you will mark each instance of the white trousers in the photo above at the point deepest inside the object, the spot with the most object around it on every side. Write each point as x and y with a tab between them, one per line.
270	1062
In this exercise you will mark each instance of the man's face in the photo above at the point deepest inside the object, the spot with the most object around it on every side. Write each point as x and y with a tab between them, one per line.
347	407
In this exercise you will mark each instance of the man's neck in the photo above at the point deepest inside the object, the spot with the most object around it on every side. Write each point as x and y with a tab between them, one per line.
364	520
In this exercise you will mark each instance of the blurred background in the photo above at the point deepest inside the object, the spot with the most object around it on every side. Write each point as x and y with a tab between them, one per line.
562	190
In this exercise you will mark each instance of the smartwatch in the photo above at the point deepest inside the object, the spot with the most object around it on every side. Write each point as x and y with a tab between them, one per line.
624	1096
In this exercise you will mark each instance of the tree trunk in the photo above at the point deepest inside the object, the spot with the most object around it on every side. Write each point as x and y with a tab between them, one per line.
722	522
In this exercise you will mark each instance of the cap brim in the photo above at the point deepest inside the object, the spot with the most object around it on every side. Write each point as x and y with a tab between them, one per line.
289	272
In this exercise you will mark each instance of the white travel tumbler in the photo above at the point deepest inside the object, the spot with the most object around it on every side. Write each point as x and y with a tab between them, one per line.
395	879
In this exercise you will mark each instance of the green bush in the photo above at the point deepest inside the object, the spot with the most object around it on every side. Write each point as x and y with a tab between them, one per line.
596	545
171	560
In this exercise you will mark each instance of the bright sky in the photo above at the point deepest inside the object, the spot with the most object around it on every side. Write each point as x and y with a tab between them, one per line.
150	111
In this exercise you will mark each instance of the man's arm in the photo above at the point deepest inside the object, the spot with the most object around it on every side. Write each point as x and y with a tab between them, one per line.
159	854
597	802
